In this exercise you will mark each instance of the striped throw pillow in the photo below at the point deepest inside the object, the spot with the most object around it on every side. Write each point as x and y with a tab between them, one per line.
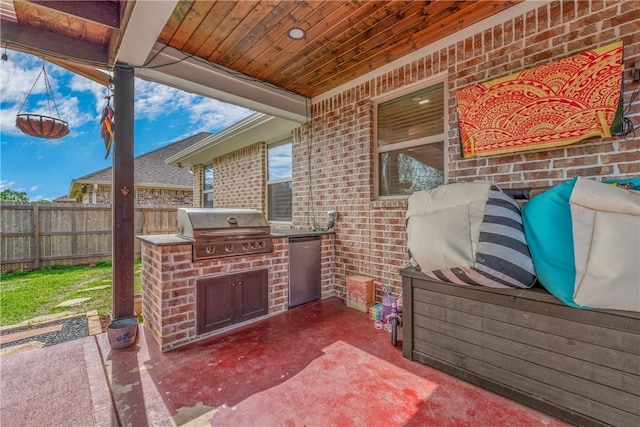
502	258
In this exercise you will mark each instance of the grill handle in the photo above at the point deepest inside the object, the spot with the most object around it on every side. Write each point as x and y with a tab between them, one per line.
239	232
232	221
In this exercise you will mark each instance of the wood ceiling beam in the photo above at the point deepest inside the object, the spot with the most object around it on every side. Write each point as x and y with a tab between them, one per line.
41	42
91	73
103	13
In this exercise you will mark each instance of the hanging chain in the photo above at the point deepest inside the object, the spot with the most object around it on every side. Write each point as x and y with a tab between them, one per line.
47	85
30	90
49	92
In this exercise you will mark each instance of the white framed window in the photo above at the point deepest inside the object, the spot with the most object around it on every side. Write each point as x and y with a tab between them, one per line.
207	186
410	141
279	181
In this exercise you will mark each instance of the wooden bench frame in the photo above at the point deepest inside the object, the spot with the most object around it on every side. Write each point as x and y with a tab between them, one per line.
582	366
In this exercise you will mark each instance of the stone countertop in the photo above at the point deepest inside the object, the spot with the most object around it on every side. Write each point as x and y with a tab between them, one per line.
164	239
173	239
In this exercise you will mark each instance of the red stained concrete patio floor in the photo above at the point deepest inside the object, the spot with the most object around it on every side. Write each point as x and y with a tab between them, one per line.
320	364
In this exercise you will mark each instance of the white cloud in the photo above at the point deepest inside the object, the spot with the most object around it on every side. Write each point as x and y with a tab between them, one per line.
153	100
8	120
34	188
5	183
214	114
82	84
17	76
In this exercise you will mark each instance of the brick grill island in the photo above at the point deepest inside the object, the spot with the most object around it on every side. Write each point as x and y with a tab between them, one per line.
170	278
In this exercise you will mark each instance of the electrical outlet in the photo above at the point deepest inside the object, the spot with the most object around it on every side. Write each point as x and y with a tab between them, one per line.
332	214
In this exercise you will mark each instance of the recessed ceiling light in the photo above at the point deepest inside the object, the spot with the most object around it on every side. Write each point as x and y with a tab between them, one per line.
296	33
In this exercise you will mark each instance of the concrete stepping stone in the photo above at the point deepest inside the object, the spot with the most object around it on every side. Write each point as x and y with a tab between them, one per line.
72	302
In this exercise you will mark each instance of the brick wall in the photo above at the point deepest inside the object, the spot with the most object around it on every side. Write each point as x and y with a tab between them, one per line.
150	197
145	197
336	147
198	176
240	178
102	195
169	278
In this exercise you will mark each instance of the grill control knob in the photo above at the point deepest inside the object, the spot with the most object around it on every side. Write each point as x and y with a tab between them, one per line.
245	245
262	244
210	249
254	245
228	247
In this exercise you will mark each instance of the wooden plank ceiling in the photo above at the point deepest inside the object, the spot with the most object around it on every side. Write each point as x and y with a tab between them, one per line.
343	40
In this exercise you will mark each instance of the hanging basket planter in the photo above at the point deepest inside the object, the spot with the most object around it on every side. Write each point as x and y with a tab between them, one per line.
39	125
42	126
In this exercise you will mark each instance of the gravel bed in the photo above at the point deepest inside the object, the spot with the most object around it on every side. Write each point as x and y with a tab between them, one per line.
72	330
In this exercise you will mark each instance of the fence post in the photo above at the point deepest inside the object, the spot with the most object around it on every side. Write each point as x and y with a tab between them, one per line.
36	236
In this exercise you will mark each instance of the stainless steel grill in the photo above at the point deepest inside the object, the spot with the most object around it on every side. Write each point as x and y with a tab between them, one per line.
218	233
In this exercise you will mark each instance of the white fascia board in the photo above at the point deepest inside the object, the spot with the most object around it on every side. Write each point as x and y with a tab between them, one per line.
145	24
204	78
255	128
510	13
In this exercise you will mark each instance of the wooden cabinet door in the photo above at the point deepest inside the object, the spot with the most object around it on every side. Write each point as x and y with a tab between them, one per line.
215	307
253	294
233	298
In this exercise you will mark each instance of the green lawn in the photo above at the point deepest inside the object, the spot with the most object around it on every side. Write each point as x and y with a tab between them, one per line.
27	294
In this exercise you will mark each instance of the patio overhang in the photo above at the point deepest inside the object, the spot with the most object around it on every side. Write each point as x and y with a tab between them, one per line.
243	52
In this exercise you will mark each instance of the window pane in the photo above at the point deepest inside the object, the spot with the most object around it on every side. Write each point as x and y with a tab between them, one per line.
207	183
413	169
280	201
207	200
415	115
279	161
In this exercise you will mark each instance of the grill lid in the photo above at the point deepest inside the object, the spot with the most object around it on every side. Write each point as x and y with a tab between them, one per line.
196	222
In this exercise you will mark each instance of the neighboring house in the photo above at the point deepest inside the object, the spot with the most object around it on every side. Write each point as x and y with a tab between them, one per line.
157	184
346	158
250	164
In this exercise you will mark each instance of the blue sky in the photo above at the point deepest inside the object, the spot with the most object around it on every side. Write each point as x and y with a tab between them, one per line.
44	168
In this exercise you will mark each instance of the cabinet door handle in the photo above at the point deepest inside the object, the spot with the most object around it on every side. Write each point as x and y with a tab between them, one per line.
240	283
233	284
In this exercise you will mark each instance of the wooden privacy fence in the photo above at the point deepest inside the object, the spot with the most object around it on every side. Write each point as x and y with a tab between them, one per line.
35	235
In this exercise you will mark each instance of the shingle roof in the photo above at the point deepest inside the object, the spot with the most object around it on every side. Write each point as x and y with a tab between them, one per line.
151	169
